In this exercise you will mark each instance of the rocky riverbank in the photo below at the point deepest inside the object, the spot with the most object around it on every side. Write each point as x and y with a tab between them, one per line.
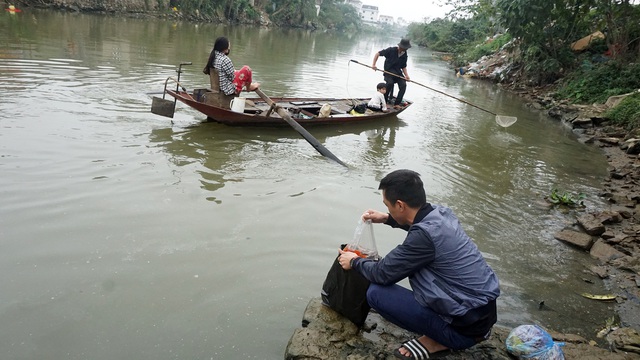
611	235
325	335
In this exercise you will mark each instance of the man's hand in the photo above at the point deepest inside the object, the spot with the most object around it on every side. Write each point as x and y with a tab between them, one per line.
375	216
375	60
345	259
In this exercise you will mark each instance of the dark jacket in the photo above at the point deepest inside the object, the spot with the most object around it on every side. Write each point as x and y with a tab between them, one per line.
392	62
445	268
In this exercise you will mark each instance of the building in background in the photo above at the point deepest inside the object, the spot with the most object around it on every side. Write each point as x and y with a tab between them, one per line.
386	19
369	13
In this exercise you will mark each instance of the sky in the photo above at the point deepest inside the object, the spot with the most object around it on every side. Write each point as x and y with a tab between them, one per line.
410	10
416	10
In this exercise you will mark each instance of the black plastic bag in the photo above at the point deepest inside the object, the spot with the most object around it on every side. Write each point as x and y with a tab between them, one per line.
345	291
360	108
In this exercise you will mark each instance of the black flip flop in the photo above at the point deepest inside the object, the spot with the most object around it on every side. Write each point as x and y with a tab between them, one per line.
417	351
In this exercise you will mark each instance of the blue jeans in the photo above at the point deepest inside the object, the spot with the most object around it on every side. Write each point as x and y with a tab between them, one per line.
397	304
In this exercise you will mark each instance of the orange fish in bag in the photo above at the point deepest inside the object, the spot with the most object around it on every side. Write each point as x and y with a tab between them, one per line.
364	243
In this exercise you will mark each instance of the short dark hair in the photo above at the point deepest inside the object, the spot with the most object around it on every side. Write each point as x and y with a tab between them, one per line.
381	85
404	185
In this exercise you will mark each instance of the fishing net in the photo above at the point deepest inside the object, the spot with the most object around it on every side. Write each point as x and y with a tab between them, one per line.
505	121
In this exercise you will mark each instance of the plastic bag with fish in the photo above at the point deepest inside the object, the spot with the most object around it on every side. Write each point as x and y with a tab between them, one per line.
534	343
364	243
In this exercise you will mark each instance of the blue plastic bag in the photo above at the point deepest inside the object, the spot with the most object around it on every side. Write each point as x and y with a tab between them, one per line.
534	343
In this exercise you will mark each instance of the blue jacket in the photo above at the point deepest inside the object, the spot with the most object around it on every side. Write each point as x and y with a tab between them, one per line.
445	268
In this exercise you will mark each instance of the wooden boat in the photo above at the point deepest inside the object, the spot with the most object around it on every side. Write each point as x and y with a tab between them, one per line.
305	111
265	111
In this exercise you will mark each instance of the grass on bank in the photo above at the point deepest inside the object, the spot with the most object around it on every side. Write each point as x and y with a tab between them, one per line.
595	82
627	113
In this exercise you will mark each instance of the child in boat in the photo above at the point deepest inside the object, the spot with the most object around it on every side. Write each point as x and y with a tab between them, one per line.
377	102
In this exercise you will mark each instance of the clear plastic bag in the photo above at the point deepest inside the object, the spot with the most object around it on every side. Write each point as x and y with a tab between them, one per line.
534	343
364	243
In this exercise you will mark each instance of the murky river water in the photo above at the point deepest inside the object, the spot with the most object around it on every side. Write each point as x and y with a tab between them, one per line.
124	235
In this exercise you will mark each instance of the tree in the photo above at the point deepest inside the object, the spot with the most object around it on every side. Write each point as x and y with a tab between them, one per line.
340	16
450	35
544	30
294	12
620	21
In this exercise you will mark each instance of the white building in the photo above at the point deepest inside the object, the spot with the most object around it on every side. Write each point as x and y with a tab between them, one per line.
369	13
386	19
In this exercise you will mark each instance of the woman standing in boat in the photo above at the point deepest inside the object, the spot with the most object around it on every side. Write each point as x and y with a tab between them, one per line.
231	81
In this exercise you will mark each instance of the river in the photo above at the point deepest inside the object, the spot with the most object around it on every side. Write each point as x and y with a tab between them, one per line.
127	235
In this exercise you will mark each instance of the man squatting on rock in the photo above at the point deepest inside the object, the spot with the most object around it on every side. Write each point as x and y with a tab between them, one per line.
452	301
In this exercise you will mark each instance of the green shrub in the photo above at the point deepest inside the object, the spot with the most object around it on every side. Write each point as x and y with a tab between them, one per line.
475	52
627	112
595	82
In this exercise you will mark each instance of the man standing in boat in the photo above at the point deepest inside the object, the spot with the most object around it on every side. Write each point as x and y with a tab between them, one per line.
396	63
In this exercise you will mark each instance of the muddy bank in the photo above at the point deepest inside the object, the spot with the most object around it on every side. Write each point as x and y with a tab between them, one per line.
612	234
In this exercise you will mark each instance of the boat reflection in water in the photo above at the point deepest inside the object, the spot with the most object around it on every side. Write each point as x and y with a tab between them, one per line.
221	154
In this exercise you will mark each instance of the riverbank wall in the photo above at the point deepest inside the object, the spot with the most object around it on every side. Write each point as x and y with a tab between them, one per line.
131	8
112	6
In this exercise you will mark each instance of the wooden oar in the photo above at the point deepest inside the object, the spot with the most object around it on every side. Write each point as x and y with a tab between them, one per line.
297	127
502	120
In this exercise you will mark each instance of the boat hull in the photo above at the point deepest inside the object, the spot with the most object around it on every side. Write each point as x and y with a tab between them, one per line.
303	110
